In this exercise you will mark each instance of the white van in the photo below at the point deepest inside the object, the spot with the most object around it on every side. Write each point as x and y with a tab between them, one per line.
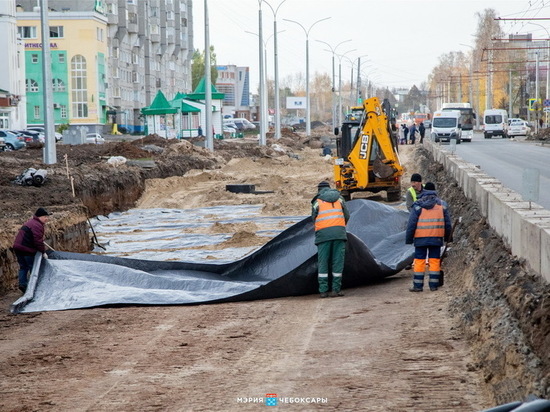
495	123
446	126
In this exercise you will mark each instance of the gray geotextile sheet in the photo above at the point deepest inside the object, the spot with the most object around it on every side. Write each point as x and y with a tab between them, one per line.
284	266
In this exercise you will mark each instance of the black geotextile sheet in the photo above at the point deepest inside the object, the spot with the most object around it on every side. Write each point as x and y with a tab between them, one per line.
285	266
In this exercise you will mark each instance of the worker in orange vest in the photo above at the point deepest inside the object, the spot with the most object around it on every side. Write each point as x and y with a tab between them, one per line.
429	225
330	215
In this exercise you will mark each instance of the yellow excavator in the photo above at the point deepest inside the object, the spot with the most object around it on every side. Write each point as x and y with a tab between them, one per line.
367	159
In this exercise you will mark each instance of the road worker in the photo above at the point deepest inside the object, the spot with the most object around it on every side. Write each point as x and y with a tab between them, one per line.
429	225
330	215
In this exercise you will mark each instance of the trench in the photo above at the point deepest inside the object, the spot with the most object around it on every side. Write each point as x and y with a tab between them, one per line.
501	306
498	302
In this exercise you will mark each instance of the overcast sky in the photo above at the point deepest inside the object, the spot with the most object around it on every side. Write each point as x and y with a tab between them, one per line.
402	39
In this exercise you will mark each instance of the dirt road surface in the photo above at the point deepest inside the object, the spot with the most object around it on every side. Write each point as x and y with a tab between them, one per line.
379	348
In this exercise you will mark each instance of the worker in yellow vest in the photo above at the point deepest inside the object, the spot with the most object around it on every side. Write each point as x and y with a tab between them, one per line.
414	190
429	225
330	215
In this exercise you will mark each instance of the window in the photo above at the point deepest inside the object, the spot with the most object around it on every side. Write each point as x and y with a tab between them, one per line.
27	32
31	85
4	120
64	113
115	52
34	58
58	85
61	58
37	112
56	32
99	34
112	8
79	86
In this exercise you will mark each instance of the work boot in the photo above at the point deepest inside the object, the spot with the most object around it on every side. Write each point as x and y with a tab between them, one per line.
324	295
433	289
336	294
415	290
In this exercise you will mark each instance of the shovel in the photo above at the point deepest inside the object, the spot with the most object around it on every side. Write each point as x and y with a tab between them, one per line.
444	253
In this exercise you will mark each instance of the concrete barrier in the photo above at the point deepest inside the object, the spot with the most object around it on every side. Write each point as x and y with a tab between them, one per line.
523	226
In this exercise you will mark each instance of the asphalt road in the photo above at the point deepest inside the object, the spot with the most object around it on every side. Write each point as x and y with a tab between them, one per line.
507	160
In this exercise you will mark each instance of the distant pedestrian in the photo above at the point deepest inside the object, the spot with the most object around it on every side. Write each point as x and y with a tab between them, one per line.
422	131
413	191
412	133
429	225
330	215
29	241
199	132
405	133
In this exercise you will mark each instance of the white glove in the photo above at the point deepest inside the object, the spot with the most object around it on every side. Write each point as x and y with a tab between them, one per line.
45	255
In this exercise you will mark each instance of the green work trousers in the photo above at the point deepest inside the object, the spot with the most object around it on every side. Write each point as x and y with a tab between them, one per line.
330	259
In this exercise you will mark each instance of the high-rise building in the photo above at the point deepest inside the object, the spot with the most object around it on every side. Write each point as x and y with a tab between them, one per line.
12	68
109	58
234	82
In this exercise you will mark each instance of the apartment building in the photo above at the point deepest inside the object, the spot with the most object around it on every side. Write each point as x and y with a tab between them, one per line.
109	58
12	69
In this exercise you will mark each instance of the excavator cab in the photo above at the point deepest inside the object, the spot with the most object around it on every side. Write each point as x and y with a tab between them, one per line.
367	159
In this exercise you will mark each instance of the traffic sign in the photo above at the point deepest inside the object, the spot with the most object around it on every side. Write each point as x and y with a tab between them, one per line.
534	104
546	110
546	103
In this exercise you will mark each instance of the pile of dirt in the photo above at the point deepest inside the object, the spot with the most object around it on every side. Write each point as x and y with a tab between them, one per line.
542	134
83	183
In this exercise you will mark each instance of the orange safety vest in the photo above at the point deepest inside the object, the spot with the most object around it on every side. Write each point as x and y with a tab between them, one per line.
431	223
330	214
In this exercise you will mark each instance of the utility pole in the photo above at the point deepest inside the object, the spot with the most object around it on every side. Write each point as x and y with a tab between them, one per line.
50	154
308	108
207	83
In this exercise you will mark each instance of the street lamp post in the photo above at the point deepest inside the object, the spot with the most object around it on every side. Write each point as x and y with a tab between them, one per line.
50	153
472	86
352	62
276	72
265	97
308	109
209	143
340	84
333	50
262	139
547	66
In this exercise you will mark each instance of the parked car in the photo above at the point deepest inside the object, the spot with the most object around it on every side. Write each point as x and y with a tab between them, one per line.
513	120
227	129
58	136
243	124
427	124
2	144
94	138
32	136
519	128
13	141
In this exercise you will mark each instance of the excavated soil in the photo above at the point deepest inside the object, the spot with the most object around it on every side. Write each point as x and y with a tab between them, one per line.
481	340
